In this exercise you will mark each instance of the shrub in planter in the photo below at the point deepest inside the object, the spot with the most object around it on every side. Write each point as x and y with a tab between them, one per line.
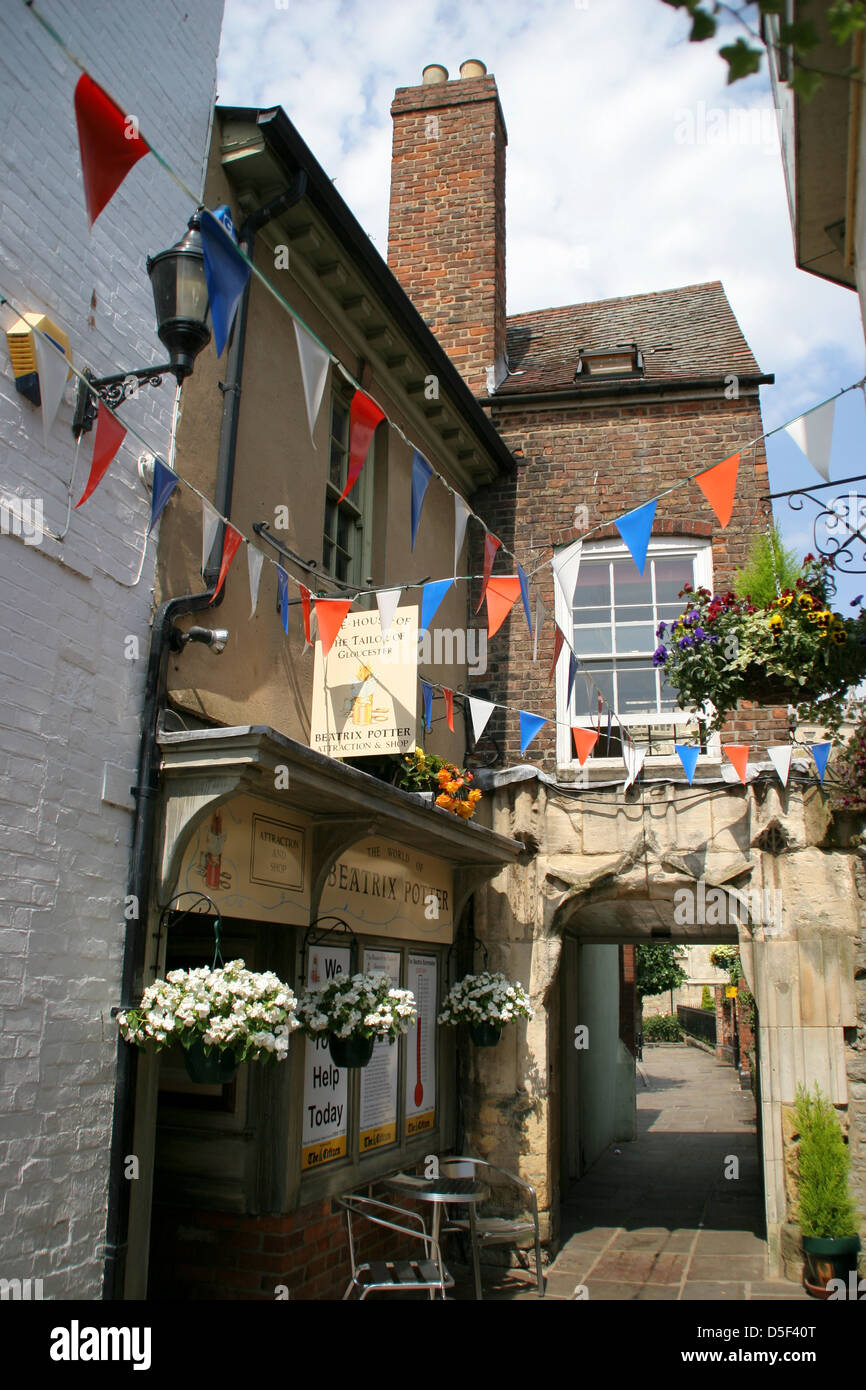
355	1012
662	1028
825	1208
221	1017
450	785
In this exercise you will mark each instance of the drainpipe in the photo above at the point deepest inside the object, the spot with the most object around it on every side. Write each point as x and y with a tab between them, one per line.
147	789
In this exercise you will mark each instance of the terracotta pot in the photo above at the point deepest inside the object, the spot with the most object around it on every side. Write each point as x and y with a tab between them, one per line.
216	1068
351	1052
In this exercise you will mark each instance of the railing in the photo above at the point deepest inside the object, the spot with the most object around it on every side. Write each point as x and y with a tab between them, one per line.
699	1023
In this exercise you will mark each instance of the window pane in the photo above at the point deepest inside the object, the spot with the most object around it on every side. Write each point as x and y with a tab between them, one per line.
339	421
345	531
602	674
592	639
341	569
593	587
336	470
668	694
671	575
628	585
634	613
637	688
635	638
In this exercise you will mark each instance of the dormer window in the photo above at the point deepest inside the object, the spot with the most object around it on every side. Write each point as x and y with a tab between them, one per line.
624	359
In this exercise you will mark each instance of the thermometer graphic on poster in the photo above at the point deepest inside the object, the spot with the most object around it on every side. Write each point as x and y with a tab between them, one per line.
421	1074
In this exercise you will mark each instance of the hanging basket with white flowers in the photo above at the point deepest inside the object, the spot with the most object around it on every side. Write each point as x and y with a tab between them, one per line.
221	1017
355	1012
486	1002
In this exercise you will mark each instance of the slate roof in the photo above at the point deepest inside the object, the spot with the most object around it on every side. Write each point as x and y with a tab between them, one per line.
684	334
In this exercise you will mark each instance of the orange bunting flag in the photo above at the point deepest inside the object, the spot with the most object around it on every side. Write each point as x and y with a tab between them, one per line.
449	707
584	742
109	142
503	592
330	613
364	416
305	609
557	648
231	542
719	484
491	545
110	434
738	753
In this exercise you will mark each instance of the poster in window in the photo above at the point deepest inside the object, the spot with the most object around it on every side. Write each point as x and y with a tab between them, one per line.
421	1049
326	1089
380	1077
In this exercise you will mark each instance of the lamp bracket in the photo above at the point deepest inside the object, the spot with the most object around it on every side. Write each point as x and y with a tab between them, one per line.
113	390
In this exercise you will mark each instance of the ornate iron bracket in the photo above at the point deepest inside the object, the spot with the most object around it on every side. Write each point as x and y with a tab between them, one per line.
340	932
844	514
113	390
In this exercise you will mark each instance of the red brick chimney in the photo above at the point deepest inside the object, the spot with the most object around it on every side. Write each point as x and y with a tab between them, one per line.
446	237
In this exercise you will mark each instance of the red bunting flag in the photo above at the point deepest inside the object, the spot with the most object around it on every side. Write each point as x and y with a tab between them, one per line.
739	756
364	416
557	648
231	541
449	707
584	742
491	545
330	613
109	142
719	484
305	609
503	592
110	434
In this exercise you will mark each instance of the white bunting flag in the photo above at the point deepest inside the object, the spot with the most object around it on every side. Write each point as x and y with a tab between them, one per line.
255	560
53	370
387	601
780	757
540	615
480	710
813	433
314	373
209	522
566	567
633	757
461	516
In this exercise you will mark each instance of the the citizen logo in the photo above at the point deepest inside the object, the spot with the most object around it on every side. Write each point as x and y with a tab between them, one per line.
76	1343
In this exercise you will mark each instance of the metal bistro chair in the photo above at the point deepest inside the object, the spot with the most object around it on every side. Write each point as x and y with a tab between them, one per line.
494	1230
394	1276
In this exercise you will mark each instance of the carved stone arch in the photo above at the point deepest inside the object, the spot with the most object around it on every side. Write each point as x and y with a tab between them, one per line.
183	813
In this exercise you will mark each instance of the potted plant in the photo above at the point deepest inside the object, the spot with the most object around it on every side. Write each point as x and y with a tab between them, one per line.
793	649
486	1002
355	1012
445	783
825	1209
221	1017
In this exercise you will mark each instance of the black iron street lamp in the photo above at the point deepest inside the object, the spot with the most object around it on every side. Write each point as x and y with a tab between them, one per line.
181	301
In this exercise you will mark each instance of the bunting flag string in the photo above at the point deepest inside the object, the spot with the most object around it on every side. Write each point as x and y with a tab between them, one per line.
633	757
738	754
821	752
53	367
314	362
449	707
231	540
462	513
584	742
421	475
305	608
283	597
540	614
255	560
491	545
688	756
719	485
109	142
479	712
566	568
558	641
164	483
431	597
387	601
427	694
530	726
330	613
364	417
813	435
210	520
502	594
524	594
110	434
635	528
226	274
780	757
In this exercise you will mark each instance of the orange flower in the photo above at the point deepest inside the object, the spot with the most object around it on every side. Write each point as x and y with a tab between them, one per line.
451	787
474	795
444	800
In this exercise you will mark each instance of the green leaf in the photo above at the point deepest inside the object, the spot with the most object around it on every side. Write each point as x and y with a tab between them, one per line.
772	6
801	35
806	83
844	18
742	60
703	26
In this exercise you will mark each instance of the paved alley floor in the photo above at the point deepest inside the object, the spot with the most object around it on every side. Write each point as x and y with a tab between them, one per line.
657	1218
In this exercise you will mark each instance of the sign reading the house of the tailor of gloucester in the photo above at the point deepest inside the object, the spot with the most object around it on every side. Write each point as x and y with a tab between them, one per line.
365	691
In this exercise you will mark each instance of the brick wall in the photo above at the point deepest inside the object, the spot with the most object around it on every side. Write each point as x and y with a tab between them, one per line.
69	698
612	458
627	995
446	237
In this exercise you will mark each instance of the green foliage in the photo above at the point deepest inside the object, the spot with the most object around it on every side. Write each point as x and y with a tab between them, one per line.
768	561
727	958
849	790
802	37
825	1207
657	968
662	1028
707	1000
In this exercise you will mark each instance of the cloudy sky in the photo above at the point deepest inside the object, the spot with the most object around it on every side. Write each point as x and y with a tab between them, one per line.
631	166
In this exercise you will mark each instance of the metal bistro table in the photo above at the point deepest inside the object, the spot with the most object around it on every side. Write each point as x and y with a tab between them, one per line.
444	1191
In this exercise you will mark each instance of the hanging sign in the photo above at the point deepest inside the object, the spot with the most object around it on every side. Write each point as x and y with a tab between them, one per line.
379	1079
252	858
421	1048
365	689
326	1089
385	889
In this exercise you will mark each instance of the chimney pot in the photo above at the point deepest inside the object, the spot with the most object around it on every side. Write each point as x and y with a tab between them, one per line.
473	67
433	73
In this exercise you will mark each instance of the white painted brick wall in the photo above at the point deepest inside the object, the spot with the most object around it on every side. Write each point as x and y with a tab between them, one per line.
69	701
